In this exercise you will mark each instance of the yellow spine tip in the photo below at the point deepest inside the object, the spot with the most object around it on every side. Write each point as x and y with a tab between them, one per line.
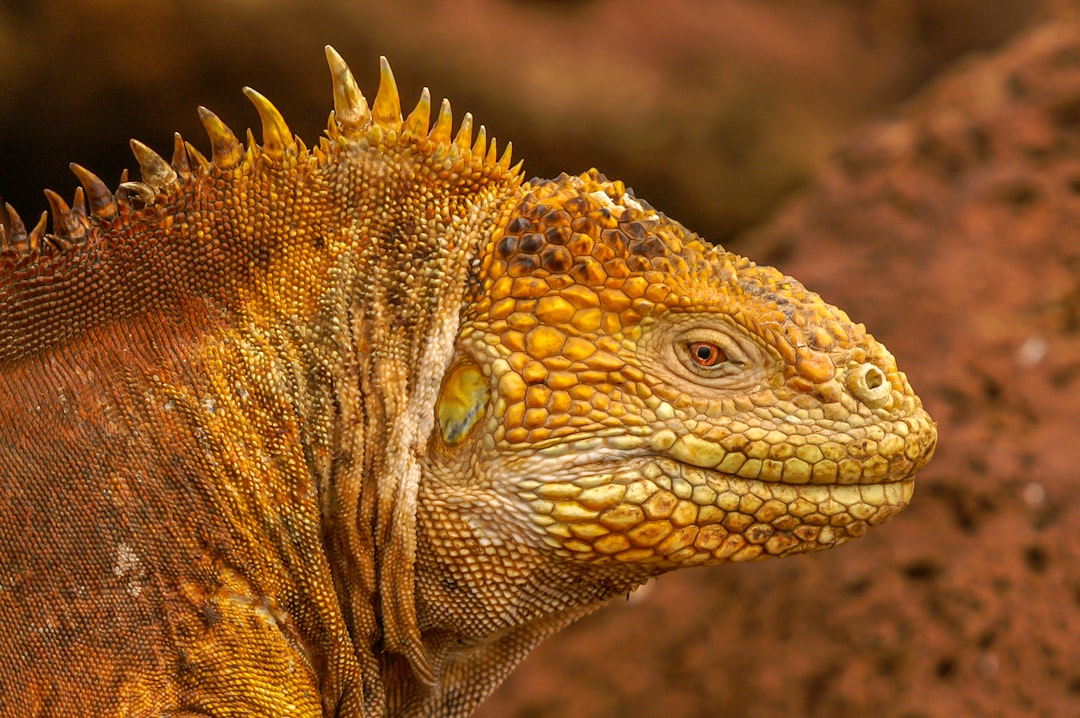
386	110
277	137
416	125
444	125
464	135
350	106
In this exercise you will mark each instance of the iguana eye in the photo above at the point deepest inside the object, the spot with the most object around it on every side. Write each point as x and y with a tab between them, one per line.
706	354
712	354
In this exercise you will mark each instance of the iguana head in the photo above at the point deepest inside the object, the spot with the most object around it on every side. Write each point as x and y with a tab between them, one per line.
624	393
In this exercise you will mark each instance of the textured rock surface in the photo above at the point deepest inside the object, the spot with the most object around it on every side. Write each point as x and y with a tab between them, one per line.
954	232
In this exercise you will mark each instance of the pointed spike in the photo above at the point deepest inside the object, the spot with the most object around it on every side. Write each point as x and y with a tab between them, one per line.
180	161
419	120
102	201
16	230
155	171
78	206
227	152
481	142
16	227
59	208
492	156
444	125
464	135
386	110
66	223
507	156
516	169
197	157
350	107
38	232
277	137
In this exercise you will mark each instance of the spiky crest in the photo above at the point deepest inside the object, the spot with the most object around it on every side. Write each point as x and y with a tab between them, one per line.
463	141
352	118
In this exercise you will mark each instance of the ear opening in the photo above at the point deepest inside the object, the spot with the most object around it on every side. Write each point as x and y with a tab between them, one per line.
462	399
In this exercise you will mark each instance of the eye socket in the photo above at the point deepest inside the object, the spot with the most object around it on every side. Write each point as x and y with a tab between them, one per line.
706	354
713	355
703	352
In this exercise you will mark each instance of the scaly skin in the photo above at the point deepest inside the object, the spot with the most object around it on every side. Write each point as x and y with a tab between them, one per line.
348	431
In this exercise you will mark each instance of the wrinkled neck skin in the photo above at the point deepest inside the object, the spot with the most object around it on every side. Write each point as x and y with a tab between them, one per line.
328	406
390	316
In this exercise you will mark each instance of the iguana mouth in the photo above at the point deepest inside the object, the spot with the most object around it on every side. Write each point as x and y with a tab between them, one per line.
669	513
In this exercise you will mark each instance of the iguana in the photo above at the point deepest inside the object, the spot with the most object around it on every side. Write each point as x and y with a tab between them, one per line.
346	430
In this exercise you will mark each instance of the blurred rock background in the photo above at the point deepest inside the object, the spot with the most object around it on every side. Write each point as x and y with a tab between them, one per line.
916	162
712	110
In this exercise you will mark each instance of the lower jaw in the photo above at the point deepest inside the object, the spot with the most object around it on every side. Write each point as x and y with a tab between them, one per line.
676	515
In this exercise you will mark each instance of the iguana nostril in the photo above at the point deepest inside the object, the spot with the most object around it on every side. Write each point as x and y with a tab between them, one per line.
869	385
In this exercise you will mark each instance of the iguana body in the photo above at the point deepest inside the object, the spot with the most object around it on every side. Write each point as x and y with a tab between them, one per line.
346	431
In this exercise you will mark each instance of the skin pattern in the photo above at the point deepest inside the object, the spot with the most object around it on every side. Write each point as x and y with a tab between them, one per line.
347	430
